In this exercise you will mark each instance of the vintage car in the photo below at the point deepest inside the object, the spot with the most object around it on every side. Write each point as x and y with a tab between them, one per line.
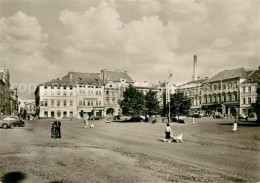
7	122
19	123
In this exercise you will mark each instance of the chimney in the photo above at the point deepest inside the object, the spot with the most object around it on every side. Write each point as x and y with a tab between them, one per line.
70	74
195	68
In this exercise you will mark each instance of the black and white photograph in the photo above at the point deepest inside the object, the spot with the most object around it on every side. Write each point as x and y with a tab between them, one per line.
136	91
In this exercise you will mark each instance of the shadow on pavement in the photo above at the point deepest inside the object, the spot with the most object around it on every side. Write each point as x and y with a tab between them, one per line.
240	123
13	177
160	140
127	121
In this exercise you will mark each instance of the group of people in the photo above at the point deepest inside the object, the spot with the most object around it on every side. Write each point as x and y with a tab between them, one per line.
56	131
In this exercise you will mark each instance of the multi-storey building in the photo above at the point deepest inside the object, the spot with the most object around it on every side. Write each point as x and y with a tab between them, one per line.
221	92
115	83
56	98
248	93
9	98
2	94
27	107
89	93
76	94
193	90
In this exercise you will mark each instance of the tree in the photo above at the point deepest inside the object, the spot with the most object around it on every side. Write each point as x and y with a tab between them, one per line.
151	103
180	104
256	105
133	103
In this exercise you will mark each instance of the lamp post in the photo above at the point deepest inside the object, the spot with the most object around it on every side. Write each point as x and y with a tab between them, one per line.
11	107
168	97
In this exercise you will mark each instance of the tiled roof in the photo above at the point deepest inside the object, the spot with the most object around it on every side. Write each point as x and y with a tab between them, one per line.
84	78
253	76
58	82
116	76
192	83
228	74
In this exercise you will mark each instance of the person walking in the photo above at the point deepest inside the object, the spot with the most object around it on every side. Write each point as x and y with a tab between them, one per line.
86	124
55	131
234	127
168	132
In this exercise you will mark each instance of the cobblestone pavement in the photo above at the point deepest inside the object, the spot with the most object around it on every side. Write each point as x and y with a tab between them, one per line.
132	152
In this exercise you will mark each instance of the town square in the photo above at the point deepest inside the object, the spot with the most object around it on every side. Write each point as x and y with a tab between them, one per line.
129	91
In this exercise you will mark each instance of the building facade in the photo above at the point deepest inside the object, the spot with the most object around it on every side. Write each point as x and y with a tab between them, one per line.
76	94
194	90
115	83
8	97
248	93
56	99
228	93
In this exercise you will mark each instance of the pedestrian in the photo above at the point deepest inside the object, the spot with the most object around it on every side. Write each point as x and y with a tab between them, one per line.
86	124
55	131
168	132
234	127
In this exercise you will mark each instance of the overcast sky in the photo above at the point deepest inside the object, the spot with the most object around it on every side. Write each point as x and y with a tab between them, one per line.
42	40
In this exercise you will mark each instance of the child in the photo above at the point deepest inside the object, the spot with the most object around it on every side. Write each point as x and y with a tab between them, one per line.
168	132
235	127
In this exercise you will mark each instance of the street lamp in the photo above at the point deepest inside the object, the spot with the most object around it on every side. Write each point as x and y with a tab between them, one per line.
169	100
11	106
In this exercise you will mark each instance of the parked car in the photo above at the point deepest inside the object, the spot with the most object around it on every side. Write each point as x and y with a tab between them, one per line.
94	118
218	116
136	119
196	116
7	122
19	123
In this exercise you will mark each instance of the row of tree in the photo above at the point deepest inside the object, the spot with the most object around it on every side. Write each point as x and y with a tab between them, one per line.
135	103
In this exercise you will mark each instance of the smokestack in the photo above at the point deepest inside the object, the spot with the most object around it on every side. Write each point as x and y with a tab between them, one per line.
195	68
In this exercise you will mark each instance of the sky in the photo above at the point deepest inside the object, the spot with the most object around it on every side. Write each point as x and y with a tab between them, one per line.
45	39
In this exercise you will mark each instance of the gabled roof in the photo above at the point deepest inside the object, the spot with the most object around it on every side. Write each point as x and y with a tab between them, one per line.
228	74
193	83
84	78
116	76
253	76
58	82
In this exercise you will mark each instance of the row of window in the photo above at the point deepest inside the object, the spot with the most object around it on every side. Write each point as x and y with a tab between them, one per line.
224	86
108	101
58	114
247	89
193	92
57	103
90	92
71	87
248	100
89	86
58	93
89	103
224	98
58	87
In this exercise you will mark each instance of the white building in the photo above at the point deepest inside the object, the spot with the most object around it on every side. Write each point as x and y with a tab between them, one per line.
56	98
89	93
115	83
248	93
